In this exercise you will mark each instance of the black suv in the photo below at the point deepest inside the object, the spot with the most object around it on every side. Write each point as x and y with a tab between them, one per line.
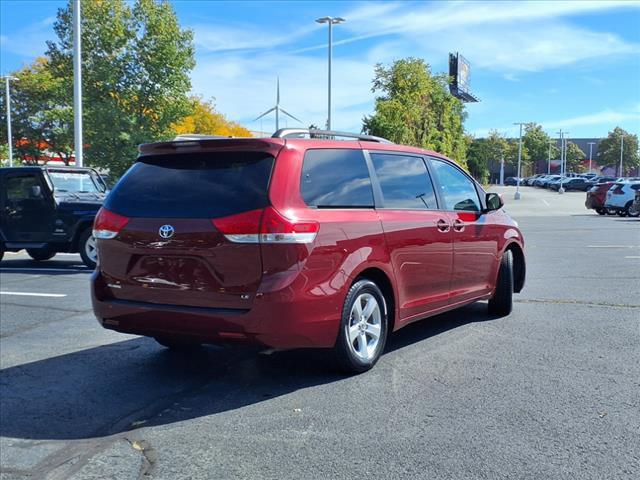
47	210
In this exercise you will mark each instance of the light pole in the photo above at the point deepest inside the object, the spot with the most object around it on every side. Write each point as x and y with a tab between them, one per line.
621	152
331	21
7	79
549	160
591	144
563	161
516	196
77	84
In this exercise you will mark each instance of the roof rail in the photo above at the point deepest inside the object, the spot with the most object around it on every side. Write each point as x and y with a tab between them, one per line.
325	134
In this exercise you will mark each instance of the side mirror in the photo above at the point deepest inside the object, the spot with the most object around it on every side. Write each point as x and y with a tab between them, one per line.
494	202
36	191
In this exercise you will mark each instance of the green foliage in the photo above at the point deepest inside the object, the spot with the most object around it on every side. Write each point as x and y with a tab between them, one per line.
484	152
537	142
136	60
609	150
574	157
42	118
415	108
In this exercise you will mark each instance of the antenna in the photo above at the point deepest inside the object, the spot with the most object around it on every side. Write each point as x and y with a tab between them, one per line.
277	109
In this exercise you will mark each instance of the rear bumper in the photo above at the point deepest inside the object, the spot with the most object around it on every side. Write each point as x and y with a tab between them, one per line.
283	319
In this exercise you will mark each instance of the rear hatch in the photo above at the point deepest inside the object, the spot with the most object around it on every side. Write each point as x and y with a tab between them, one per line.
169	250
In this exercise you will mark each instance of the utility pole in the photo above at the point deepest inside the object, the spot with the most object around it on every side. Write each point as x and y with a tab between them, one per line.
549	160
517	195
77	83
621	152
564	161
502	170
7	79
591	144
331	21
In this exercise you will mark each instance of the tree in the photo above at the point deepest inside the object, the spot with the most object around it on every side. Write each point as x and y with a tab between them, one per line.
609	150
205	120
415	108
482	153
511	154
574	157
136	63
537	143
42	118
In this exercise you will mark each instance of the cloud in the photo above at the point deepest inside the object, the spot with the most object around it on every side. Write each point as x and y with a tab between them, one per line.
245	86
607	117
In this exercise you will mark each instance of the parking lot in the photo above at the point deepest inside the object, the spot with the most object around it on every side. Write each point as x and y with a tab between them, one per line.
549	392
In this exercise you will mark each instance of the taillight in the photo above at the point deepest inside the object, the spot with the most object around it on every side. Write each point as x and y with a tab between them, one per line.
108	224
266	226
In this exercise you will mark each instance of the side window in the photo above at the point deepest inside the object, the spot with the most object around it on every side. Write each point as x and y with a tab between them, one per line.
336	178
19	187
457	190
404	181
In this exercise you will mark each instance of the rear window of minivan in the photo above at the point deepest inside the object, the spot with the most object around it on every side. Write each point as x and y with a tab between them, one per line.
193	185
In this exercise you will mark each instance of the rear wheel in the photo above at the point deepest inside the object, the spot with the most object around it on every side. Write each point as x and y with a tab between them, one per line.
363	328
177	344
40	254
502	301
87	247
632	211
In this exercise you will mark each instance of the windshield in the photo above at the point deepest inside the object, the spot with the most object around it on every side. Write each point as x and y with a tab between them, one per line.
74	182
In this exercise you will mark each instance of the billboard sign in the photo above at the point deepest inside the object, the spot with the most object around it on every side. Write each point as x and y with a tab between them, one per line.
460	72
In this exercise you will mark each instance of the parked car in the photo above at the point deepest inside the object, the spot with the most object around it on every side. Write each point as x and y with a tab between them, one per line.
596	196
47	210
575	183
634	210
545	183
601	179
529	180
512	181
620	198
292	242
538	181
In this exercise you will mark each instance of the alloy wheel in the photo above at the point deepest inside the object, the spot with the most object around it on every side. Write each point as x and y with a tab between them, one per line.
365	326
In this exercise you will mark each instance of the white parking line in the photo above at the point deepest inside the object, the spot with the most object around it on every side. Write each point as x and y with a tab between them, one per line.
29	294
613	246
632	256
545	202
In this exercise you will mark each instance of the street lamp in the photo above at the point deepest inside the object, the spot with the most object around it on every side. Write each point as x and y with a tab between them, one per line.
77	84
331	21
621	151
7	79
549	160
517	194
591	144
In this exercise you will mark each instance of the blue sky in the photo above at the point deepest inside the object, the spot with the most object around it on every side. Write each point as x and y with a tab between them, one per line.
571	65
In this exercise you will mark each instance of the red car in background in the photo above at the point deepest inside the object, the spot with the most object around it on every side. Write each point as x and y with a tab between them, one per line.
293	242
596	197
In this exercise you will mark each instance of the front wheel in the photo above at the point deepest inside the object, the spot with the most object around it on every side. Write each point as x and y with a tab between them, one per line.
40	254
632	211
502	301
363	328
87	247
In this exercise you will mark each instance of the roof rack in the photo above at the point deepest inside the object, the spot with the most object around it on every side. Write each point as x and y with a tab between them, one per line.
325	135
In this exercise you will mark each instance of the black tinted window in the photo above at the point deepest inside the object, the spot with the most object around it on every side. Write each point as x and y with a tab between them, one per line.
404	181
20	188
198	185
458	190
336	178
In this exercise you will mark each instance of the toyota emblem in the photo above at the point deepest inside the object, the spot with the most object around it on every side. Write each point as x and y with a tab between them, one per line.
166	231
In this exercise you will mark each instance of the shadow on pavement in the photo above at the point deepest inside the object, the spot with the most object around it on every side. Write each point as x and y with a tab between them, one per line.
117	387
55	266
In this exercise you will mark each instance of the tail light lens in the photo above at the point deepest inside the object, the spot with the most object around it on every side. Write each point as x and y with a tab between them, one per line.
266	226
108	224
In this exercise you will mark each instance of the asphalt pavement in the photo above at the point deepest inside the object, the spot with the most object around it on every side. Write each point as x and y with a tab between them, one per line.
552	391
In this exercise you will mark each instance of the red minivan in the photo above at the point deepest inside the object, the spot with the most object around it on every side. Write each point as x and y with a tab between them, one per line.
293	242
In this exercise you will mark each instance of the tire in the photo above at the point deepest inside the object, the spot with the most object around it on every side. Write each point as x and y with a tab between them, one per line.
601	211
40	254
177	344
632	211
622	212
501	303
87	248
1	252
357	349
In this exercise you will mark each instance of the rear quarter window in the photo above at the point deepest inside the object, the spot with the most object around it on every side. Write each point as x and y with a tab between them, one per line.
194	185
336	178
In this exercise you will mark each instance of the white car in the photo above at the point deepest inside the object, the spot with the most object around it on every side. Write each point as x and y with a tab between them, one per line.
620	198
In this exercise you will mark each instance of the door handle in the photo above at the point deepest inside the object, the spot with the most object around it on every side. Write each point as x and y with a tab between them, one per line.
458	225
443	225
